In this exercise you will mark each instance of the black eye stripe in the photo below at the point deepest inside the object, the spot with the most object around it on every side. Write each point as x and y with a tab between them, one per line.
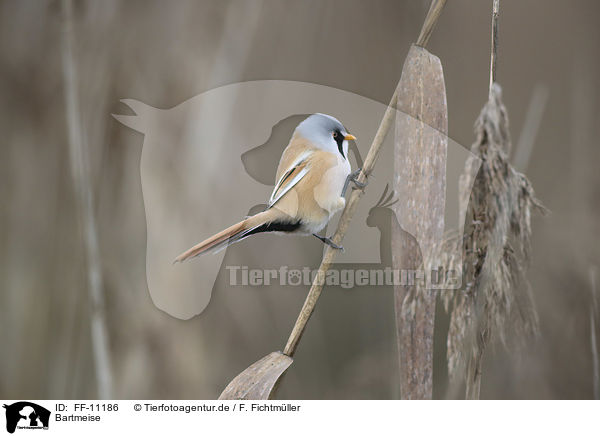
337	136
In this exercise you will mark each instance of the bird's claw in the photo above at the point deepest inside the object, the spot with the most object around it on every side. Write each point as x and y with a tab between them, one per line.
327	240
353	177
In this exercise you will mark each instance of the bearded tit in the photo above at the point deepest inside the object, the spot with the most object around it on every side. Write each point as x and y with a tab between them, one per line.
311	182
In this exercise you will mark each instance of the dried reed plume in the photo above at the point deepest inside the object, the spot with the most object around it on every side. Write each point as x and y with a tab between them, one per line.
495	297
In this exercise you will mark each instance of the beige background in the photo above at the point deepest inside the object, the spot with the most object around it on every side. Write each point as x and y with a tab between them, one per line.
163	54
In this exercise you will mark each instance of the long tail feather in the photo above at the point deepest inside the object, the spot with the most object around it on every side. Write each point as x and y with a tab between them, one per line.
229	236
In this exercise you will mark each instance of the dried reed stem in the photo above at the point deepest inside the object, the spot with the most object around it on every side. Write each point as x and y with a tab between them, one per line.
494	48
594	312
350	209
498	201
475	363
435	10
79	162
347	214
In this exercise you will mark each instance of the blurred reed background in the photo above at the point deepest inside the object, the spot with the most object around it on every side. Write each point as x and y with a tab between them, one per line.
164	53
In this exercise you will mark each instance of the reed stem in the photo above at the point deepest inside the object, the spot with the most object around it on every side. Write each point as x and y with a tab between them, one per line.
79	163
330	253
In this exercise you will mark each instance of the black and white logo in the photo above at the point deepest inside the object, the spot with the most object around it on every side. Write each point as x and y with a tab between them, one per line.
26	415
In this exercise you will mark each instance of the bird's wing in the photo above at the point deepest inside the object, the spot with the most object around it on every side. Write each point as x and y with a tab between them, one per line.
298	169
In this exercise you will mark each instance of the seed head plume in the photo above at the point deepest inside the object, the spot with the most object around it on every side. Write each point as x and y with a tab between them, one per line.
495	297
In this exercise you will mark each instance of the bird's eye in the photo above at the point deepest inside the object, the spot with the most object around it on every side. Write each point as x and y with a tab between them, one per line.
335	135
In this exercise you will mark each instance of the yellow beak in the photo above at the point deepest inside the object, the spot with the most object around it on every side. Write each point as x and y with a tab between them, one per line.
350	137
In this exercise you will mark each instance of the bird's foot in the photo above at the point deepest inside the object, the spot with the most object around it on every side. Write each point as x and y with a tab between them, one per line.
328	241
353	177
